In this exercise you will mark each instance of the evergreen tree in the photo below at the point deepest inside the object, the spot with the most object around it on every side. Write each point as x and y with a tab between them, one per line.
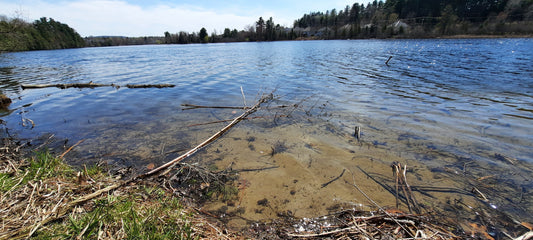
204	38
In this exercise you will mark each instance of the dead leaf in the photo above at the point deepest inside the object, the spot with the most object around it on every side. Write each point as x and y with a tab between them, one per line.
480	229
150	166
527	225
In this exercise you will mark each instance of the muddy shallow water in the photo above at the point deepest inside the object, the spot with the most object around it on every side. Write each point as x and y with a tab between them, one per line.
458	113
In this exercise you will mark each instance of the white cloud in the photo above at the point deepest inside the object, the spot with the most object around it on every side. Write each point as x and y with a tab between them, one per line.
116	17
153	18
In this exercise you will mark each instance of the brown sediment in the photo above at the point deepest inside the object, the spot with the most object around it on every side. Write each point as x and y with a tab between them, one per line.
315	156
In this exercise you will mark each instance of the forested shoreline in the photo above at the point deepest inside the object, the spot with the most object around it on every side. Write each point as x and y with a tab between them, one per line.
42	34
379	19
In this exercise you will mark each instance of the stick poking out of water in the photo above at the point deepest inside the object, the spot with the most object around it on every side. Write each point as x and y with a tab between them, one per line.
387	62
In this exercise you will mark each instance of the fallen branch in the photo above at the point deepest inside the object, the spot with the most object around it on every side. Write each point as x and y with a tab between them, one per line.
93	85
210	139
187	106
150	85
69	85
228	120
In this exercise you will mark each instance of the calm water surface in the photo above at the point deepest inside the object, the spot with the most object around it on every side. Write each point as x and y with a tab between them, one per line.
455	110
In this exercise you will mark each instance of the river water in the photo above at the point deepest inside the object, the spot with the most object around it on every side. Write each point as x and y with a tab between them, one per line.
458	113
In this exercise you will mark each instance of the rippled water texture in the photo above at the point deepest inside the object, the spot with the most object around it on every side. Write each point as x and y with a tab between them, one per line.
459	113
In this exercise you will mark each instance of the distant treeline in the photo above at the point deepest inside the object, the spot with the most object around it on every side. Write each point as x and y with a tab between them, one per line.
43	34
268	32
420	19
379	19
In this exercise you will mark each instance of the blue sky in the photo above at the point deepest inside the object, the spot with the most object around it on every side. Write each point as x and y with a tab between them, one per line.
152	18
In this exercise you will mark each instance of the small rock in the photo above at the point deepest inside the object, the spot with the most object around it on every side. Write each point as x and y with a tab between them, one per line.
4	101
263	202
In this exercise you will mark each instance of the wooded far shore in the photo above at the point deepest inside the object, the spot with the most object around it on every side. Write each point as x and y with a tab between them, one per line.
379	19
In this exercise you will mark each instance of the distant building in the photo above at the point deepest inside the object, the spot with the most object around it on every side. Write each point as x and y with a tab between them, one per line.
399	25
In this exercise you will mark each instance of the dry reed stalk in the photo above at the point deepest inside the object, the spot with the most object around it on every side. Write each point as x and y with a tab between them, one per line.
399	172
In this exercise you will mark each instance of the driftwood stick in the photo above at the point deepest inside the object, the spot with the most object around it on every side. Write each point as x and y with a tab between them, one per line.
68	85
192	106
210	139
229	120
150	85
187	106
93	85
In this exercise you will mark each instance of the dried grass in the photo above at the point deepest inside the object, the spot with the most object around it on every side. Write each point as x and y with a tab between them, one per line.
44	198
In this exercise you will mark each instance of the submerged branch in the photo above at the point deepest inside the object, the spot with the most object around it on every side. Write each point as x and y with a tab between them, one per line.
229	120
150	85
93	85
68	85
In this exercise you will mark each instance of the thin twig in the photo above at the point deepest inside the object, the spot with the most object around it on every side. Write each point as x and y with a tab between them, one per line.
243	98
70	148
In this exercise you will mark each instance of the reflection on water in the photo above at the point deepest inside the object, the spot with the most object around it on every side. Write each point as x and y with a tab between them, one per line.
459	113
